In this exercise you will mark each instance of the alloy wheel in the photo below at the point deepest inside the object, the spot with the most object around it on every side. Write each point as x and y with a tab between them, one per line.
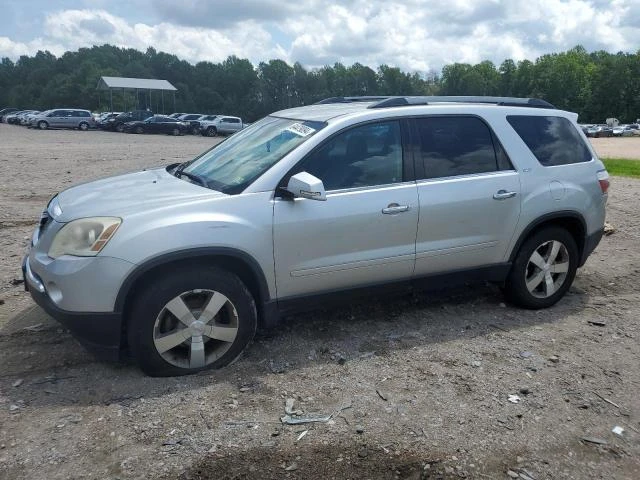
195	328
547	269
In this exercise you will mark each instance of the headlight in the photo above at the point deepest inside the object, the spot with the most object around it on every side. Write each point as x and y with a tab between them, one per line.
84	237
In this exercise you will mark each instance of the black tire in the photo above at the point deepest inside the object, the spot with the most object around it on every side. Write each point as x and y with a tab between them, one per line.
516	290
195	130
175	132
42	125
139	130
84	126
151	302
120	127
212	131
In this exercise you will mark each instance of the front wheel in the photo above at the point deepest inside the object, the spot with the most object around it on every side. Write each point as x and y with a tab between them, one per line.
120	128
543	270
193	319
212	131
42	125
139	130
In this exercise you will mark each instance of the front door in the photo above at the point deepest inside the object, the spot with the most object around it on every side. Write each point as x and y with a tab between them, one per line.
364	233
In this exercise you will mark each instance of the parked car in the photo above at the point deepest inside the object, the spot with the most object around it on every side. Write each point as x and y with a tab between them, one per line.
221	125
103	120
157	124
353	196
117	123
30	118
6	111
25	118
64	118
622	131
13	117
192	120
599	131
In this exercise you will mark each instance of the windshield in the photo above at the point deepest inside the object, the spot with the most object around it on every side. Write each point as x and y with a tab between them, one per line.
232	165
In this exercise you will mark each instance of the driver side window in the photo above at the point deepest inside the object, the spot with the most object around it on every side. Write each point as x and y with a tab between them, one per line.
363	156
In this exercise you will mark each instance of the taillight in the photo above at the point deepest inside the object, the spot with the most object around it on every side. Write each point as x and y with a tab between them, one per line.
603	180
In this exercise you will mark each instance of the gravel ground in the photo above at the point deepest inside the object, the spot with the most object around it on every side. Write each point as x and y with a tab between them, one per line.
417	386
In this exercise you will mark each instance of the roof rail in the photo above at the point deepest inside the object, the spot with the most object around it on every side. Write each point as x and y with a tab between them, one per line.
503	101
350	99
399	101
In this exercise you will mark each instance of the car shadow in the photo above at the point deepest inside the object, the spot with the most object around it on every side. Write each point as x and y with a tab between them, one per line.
54	369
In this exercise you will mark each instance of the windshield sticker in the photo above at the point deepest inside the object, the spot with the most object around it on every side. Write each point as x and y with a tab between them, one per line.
300	129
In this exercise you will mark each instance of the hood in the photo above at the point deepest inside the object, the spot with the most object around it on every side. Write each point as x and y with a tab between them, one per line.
129	194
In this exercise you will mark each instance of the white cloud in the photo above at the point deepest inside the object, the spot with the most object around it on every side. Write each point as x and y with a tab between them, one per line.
415	35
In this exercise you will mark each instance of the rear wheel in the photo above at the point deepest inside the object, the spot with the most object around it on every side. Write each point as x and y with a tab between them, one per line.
193	319
543	270
120	127
42	125
212	131
175	132
84	126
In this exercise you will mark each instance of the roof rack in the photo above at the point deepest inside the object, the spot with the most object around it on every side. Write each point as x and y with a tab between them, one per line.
399	101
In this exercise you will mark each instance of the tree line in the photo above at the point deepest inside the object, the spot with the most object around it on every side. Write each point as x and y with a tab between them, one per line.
597	85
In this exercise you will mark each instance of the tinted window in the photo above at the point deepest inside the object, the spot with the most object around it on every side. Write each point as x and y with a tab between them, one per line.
553	140
363	156
450	146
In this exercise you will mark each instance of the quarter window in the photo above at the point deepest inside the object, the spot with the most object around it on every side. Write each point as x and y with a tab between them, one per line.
552	140
451	146
363	156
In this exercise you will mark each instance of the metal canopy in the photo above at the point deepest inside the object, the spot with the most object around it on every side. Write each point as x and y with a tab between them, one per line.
138	84
106	83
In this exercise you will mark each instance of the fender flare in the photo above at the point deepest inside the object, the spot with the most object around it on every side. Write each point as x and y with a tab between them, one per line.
191	254
549	217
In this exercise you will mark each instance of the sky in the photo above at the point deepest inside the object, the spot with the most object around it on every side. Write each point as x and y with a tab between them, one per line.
415	35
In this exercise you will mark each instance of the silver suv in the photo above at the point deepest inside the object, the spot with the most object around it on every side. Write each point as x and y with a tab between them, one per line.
179	265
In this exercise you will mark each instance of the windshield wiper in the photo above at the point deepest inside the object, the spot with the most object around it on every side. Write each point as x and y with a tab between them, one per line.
191	176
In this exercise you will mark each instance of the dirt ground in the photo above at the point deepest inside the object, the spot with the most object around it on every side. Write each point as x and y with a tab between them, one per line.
417	386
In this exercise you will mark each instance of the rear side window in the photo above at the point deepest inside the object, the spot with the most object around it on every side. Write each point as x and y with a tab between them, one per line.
553	140
456	145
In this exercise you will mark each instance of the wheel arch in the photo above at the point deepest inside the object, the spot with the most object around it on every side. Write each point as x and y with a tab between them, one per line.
572	221
235	261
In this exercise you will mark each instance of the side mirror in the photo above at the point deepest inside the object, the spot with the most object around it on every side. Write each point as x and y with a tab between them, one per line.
305	185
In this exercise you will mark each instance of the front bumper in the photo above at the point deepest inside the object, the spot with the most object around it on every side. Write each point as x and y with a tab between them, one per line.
99	332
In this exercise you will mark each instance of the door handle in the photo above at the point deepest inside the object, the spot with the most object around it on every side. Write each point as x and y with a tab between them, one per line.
503	194
394	208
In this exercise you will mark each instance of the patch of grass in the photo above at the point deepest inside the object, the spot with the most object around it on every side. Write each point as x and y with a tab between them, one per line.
624	167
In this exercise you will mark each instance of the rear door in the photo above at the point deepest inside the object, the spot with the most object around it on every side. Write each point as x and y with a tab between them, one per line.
365	232
469	194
